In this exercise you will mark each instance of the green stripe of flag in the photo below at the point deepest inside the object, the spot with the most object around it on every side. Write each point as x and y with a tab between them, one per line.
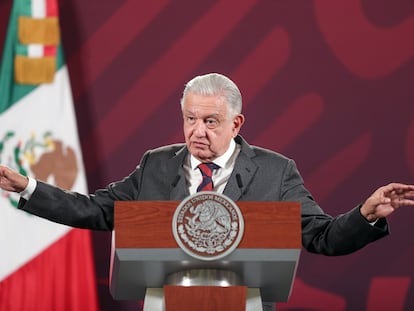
11	92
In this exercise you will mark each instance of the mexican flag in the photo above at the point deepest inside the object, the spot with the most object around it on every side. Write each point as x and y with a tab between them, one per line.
43	265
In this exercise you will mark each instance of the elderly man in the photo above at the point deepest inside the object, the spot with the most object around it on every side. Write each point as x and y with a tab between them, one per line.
211	107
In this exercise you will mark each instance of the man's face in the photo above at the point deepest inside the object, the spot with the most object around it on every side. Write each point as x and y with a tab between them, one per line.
208	127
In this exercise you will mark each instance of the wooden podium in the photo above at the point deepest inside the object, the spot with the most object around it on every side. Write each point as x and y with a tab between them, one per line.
145	255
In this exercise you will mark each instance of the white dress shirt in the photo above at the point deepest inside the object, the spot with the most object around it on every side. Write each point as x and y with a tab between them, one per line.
220	176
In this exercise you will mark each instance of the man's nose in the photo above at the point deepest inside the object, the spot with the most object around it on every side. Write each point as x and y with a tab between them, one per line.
200	128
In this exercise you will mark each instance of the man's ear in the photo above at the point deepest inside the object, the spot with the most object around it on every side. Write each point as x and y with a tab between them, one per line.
237	124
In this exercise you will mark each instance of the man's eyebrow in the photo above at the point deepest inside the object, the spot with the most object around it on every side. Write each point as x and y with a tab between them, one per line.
214	115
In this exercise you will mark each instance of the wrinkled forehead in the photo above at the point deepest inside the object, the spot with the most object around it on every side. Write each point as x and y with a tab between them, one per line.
206	104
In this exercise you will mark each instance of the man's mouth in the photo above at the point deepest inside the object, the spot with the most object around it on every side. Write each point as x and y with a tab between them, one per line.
199	144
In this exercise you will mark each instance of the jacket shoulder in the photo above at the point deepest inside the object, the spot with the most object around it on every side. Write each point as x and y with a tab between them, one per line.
257	153
168	149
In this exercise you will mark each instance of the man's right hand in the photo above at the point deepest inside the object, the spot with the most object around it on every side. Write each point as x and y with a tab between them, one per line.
11	180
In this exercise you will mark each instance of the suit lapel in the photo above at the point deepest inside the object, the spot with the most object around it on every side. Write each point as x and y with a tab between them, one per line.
243	172
176	176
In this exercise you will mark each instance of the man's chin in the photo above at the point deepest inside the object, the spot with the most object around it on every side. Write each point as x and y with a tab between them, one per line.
201	154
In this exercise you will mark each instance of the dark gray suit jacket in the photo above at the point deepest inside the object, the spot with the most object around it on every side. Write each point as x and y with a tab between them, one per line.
258	175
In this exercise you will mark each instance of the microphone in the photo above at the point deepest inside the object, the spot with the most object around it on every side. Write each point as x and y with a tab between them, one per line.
239	181
176	180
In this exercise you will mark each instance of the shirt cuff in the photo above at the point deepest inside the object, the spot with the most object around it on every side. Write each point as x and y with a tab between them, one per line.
30	188
372	223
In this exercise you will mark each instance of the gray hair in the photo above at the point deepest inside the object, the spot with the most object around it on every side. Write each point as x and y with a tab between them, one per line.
215	84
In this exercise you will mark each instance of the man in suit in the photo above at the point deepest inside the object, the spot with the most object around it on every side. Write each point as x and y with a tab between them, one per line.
211	107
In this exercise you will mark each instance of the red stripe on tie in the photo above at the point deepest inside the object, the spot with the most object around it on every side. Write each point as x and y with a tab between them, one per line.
206	170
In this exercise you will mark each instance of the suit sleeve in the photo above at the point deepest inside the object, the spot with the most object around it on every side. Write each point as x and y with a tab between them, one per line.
323	233
94	211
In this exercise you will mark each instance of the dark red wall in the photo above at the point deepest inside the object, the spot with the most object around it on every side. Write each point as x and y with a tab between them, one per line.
328	83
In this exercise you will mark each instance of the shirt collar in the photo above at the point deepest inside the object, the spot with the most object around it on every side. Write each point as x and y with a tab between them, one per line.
220	161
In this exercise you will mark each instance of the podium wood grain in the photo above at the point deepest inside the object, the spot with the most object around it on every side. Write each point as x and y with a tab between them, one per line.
142	224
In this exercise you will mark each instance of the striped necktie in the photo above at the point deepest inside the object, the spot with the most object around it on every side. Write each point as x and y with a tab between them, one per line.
206	170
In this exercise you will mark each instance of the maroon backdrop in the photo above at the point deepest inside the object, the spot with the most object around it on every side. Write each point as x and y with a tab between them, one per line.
328	83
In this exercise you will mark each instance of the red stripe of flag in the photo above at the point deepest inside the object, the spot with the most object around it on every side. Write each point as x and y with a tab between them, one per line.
51	8
49	50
